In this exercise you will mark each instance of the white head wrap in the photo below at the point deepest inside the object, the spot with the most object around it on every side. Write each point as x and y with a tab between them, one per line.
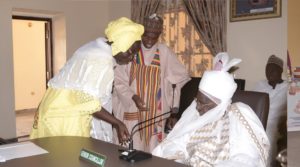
123	33
220	84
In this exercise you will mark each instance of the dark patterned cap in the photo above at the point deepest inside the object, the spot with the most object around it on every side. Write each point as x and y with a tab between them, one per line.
153	23
275	60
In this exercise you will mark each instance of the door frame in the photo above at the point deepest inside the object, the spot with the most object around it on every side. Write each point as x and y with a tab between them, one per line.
48	42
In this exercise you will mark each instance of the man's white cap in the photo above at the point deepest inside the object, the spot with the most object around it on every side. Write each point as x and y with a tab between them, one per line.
218	82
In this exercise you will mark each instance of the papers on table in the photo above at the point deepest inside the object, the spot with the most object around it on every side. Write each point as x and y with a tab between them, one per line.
19	150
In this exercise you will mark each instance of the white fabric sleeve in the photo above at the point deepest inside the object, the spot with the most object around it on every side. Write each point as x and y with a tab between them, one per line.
175	73
247	154
90	69
121	84
240	160
171	150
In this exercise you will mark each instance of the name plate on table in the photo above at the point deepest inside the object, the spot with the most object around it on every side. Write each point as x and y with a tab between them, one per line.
92	157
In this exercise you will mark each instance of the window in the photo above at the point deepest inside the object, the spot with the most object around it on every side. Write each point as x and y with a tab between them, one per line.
180	35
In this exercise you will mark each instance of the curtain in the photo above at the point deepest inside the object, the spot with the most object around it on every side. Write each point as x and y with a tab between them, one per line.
143	8
181	36
209	18
179	32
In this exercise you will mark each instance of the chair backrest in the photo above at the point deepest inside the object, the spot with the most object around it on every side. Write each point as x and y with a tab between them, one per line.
259	102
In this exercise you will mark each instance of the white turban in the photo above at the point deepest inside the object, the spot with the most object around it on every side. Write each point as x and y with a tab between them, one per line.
123	33
220	84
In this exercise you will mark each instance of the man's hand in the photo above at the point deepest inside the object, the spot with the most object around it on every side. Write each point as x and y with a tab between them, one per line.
140	104
171	121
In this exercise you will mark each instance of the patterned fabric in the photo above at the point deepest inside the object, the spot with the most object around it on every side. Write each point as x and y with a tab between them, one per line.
209	144
236	139
64	112
156	61
148	88
139	59
172	72
209	18
183	38
263	149
131	115
89	71
140	9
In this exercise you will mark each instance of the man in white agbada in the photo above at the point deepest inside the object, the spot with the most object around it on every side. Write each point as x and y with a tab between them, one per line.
277	89
149	86
214	132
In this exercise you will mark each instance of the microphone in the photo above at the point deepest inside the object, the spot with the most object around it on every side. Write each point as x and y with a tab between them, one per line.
175	111
132	155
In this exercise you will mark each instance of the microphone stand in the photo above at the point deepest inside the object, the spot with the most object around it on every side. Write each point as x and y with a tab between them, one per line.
132	155
167	129
171	111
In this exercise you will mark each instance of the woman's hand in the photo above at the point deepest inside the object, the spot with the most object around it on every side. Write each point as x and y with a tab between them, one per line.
123	134
122	131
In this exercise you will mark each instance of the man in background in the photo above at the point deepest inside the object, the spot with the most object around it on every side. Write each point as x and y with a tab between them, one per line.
277	89
78	99
213	132
149	86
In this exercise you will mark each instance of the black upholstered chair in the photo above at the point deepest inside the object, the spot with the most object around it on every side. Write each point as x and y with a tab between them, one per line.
258	101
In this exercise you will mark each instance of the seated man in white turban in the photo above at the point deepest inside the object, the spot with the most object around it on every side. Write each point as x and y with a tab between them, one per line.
277	89
214	132
78	99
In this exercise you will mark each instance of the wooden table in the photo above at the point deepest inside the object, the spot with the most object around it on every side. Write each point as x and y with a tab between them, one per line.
64	152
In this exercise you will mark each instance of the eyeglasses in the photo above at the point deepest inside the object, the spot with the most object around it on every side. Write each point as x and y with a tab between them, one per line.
210	104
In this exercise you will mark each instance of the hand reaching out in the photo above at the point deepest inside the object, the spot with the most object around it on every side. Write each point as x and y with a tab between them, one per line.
171	121
123	134
140	104
122	131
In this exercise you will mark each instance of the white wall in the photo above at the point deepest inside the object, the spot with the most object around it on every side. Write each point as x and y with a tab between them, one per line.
254	41
7	114
84	21
119	6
